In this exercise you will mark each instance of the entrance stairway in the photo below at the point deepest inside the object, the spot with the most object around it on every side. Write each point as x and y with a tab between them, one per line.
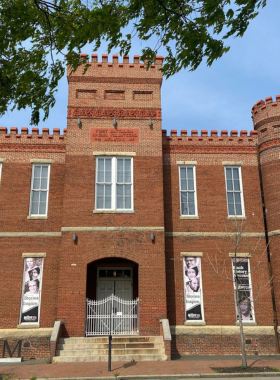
124	348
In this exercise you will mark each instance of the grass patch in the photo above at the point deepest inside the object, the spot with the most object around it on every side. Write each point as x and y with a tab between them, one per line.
242	369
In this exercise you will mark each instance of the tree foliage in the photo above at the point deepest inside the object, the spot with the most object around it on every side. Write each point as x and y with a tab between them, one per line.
39	37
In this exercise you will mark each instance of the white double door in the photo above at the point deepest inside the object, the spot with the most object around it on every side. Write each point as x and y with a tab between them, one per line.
119	287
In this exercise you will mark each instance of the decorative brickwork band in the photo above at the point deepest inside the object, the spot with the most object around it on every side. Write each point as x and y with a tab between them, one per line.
114	113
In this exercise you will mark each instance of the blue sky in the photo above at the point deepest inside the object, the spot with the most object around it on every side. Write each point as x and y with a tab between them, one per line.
217	97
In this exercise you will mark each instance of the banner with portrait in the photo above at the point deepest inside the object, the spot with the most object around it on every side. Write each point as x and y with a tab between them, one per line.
193	288
241	270
31	290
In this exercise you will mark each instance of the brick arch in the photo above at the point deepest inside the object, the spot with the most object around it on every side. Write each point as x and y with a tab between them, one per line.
110	262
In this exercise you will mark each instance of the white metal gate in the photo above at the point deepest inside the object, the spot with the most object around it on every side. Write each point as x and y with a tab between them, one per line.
112	313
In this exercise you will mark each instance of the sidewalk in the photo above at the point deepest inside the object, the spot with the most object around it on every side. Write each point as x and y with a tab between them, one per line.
187	366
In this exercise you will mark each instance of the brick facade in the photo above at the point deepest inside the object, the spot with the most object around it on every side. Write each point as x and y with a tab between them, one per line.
114	110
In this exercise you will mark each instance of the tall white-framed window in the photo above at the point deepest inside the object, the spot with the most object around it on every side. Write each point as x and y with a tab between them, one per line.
235	202
39	190
114	183
187	185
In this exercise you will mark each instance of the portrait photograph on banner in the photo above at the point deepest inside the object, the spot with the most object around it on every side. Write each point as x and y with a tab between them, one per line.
193	288
31	290
241	268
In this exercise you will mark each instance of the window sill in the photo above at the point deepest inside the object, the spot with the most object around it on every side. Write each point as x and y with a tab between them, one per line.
190	217
195	323
113	212
37	217
29	326
237	218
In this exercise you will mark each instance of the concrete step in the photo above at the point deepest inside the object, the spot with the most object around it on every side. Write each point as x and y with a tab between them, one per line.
124	348
138	351
82	346
115	358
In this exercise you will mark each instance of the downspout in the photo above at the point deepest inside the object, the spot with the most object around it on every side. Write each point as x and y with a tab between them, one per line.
275	320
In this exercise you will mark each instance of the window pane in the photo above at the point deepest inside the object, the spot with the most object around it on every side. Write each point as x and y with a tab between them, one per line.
183	173
235	173
108	177
120	170
238	209
127	164
229	185
228	173
231	209
120	164
36	183
100	170
34	208
42	208
183	184
120	190
44	183
108	170
108	164
236	185
191	209
43	196
120	202
127	177
190	173
191	198
230	198
99	202
127	189
190	184
107	202
100	190
37	171
184	197
108	190
127	202
45	170
237	198
35	196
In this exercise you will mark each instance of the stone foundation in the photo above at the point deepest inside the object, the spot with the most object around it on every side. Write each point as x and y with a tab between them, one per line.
35	342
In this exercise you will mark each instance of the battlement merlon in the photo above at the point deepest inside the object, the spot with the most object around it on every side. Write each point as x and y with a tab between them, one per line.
115	69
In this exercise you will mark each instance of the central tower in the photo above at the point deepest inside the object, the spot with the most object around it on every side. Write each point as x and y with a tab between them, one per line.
113	195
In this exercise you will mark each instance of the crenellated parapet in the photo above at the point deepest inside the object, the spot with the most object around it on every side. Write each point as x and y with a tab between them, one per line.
26	139
266	111
115	68
205	137
210	148
266	119
25	134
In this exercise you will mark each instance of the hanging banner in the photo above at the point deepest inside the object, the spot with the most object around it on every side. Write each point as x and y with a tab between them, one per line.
31	290
193	289
241	269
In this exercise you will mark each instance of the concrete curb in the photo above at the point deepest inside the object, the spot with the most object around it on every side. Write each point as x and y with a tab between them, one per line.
166	377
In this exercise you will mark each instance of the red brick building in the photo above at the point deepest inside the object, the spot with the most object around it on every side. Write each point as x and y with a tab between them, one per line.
114	205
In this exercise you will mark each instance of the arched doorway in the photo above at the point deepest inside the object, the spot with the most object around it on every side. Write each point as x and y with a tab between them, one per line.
112	297
112	275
